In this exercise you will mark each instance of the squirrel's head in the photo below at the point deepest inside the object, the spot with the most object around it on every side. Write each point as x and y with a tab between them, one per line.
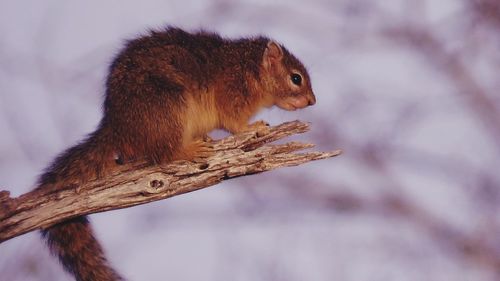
286	79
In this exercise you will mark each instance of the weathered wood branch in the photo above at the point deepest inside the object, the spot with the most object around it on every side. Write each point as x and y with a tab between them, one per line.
238	155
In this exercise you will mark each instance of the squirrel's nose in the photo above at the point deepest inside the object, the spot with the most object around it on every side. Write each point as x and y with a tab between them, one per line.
311	100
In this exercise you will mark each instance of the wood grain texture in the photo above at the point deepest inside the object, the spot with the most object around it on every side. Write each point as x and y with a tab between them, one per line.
237	155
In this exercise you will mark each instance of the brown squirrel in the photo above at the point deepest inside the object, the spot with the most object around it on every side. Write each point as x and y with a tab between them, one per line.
164	93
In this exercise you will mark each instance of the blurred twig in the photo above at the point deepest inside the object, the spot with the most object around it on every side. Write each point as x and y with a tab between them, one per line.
453	66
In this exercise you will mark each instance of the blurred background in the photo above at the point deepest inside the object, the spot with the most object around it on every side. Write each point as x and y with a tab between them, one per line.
408	89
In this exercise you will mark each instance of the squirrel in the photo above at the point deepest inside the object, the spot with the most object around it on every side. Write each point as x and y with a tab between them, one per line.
165	92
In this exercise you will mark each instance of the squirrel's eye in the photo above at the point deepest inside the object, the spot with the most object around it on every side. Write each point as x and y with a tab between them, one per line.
296	79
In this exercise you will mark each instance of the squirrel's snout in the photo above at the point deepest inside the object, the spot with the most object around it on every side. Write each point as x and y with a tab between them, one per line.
311	99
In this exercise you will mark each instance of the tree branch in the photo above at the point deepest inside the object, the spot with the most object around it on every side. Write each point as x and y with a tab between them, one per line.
238	155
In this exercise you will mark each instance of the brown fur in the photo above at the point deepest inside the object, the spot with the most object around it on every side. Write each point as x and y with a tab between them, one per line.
165	92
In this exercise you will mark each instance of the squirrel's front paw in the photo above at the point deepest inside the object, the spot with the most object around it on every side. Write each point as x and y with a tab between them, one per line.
202	149
207	138
197	151
261	127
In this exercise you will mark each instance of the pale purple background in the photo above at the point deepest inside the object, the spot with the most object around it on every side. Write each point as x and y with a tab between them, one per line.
413	134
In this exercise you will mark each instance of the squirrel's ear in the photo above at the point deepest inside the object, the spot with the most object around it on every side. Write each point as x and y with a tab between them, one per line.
273	53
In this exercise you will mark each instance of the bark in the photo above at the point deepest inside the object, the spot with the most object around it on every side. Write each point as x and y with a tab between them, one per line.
238	155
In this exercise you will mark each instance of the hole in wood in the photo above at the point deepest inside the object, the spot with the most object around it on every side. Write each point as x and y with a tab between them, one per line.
156	183
203	166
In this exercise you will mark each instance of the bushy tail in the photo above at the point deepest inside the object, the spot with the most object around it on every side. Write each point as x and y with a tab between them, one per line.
74	243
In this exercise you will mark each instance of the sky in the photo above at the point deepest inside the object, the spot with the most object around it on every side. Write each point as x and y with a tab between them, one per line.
405	114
